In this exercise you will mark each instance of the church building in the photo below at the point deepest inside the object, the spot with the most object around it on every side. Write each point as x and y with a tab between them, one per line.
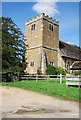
44	46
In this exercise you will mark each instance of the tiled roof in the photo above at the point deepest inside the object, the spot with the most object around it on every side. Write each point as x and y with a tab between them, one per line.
69	50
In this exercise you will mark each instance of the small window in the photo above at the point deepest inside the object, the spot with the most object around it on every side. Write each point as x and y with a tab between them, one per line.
51	63
51	27
32	63
33	27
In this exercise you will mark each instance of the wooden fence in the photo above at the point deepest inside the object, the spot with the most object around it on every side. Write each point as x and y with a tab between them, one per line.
70	79
42	77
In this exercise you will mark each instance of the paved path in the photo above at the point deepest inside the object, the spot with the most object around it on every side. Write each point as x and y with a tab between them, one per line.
18	103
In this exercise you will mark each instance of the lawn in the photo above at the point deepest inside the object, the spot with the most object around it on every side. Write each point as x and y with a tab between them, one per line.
51	88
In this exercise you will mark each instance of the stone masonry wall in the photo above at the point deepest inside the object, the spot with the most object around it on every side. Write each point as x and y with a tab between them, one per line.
41	38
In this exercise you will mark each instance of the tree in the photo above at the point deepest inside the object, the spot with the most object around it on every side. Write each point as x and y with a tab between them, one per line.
0	44
13	46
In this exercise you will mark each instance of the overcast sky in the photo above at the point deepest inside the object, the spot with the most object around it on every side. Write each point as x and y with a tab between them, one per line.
67	13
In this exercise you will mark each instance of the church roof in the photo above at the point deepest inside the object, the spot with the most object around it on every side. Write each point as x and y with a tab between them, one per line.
69	50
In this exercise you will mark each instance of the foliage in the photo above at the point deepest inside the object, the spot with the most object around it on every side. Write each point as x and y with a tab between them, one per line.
52	88
0	43
77	72
79	47
50	70
13	47
0	30
60	70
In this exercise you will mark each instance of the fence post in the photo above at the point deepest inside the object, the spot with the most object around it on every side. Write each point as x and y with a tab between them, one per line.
47	77
36	78
60	78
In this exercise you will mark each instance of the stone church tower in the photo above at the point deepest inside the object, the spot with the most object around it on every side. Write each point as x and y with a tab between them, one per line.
42	38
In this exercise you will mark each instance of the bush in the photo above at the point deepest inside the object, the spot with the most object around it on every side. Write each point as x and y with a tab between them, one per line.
9	76
50	70
78	72
61	71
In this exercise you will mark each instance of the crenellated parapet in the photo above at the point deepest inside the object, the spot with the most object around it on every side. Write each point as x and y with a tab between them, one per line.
42	16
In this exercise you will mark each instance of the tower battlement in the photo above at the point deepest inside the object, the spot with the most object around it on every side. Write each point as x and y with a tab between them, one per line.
42	16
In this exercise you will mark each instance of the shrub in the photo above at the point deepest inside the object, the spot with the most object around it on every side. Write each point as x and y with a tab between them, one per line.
61	71
9	76
77	72
50	70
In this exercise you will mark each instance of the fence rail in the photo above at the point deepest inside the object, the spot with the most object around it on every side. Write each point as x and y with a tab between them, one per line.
42	77
70	79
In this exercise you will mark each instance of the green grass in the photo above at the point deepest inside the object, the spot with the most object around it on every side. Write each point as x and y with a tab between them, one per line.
51	88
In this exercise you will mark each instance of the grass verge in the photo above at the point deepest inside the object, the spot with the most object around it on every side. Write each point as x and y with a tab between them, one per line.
51	88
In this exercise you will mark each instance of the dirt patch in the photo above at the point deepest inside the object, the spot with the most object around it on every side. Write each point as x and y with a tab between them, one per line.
38	110
18	103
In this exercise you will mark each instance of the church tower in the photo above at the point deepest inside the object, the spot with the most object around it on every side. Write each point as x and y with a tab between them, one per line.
42	38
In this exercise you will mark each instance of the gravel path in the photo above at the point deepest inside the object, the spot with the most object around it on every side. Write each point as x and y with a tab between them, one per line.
18	103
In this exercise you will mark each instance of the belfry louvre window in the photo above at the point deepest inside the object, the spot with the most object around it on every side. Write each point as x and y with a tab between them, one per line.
51	27
33	27
32	63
